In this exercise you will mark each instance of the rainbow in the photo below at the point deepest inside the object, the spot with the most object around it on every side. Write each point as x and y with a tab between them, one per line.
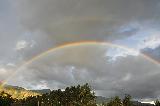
73	44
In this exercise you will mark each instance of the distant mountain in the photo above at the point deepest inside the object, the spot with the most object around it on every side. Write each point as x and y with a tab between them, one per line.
42	91
100	99
13	87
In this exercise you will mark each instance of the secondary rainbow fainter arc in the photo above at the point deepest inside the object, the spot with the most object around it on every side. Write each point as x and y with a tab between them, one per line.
101	43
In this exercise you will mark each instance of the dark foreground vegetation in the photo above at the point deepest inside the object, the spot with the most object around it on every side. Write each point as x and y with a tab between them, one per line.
71	96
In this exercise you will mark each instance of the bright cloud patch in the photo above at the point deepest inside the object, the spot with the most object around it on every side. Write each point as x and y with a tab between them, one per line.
144	37
115	53
150	42
42	85
11	65
24	44
21	45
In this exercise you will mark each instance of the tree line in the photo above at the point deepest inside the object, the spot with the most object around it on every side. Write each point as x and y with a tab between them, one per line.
81	95
71	96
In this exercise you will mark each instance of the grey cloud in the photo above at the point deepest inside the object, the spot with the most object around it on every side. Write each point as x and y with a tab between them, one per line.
65	21
154	53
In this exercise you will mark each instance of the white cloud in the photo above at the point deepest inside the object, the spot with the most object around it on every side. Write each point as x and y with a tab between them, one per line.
21	45
41	85
114	53
151	42
148	101
11	65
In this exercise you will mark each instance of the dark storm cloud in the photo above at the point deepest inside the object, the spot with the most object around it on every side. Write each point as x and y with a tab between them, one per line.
69	20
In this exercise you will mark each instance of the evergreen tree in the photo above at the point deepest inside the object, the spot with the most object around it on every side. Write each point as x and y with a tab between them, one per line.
157	103
116	101
127	101
5	99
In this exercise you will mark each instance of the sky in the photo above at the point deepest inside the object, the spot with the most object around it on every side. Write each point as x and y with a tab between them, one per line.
31	27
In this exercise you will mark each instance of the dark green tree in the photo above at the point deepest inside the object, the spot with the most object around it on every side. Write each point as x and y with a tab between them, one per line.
71	96
127	101
157	103
5	99
116	101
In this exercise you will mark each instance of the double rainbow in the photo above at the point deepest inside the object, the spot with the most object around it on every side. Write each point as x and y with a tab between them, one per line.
68	45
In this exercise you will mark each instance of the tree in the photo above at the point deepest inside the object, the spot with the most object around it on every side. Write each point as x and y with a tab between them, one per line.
5	99
157	103
79	96
72	96
127	101
89	97
116	101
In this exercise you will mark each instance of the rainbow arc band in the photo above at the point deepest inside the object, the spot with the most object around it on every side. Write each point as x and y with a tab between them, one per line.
67	45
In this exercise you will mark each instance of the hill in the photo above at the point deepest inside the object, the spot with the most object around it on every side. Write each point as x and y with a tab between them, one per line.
18	92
